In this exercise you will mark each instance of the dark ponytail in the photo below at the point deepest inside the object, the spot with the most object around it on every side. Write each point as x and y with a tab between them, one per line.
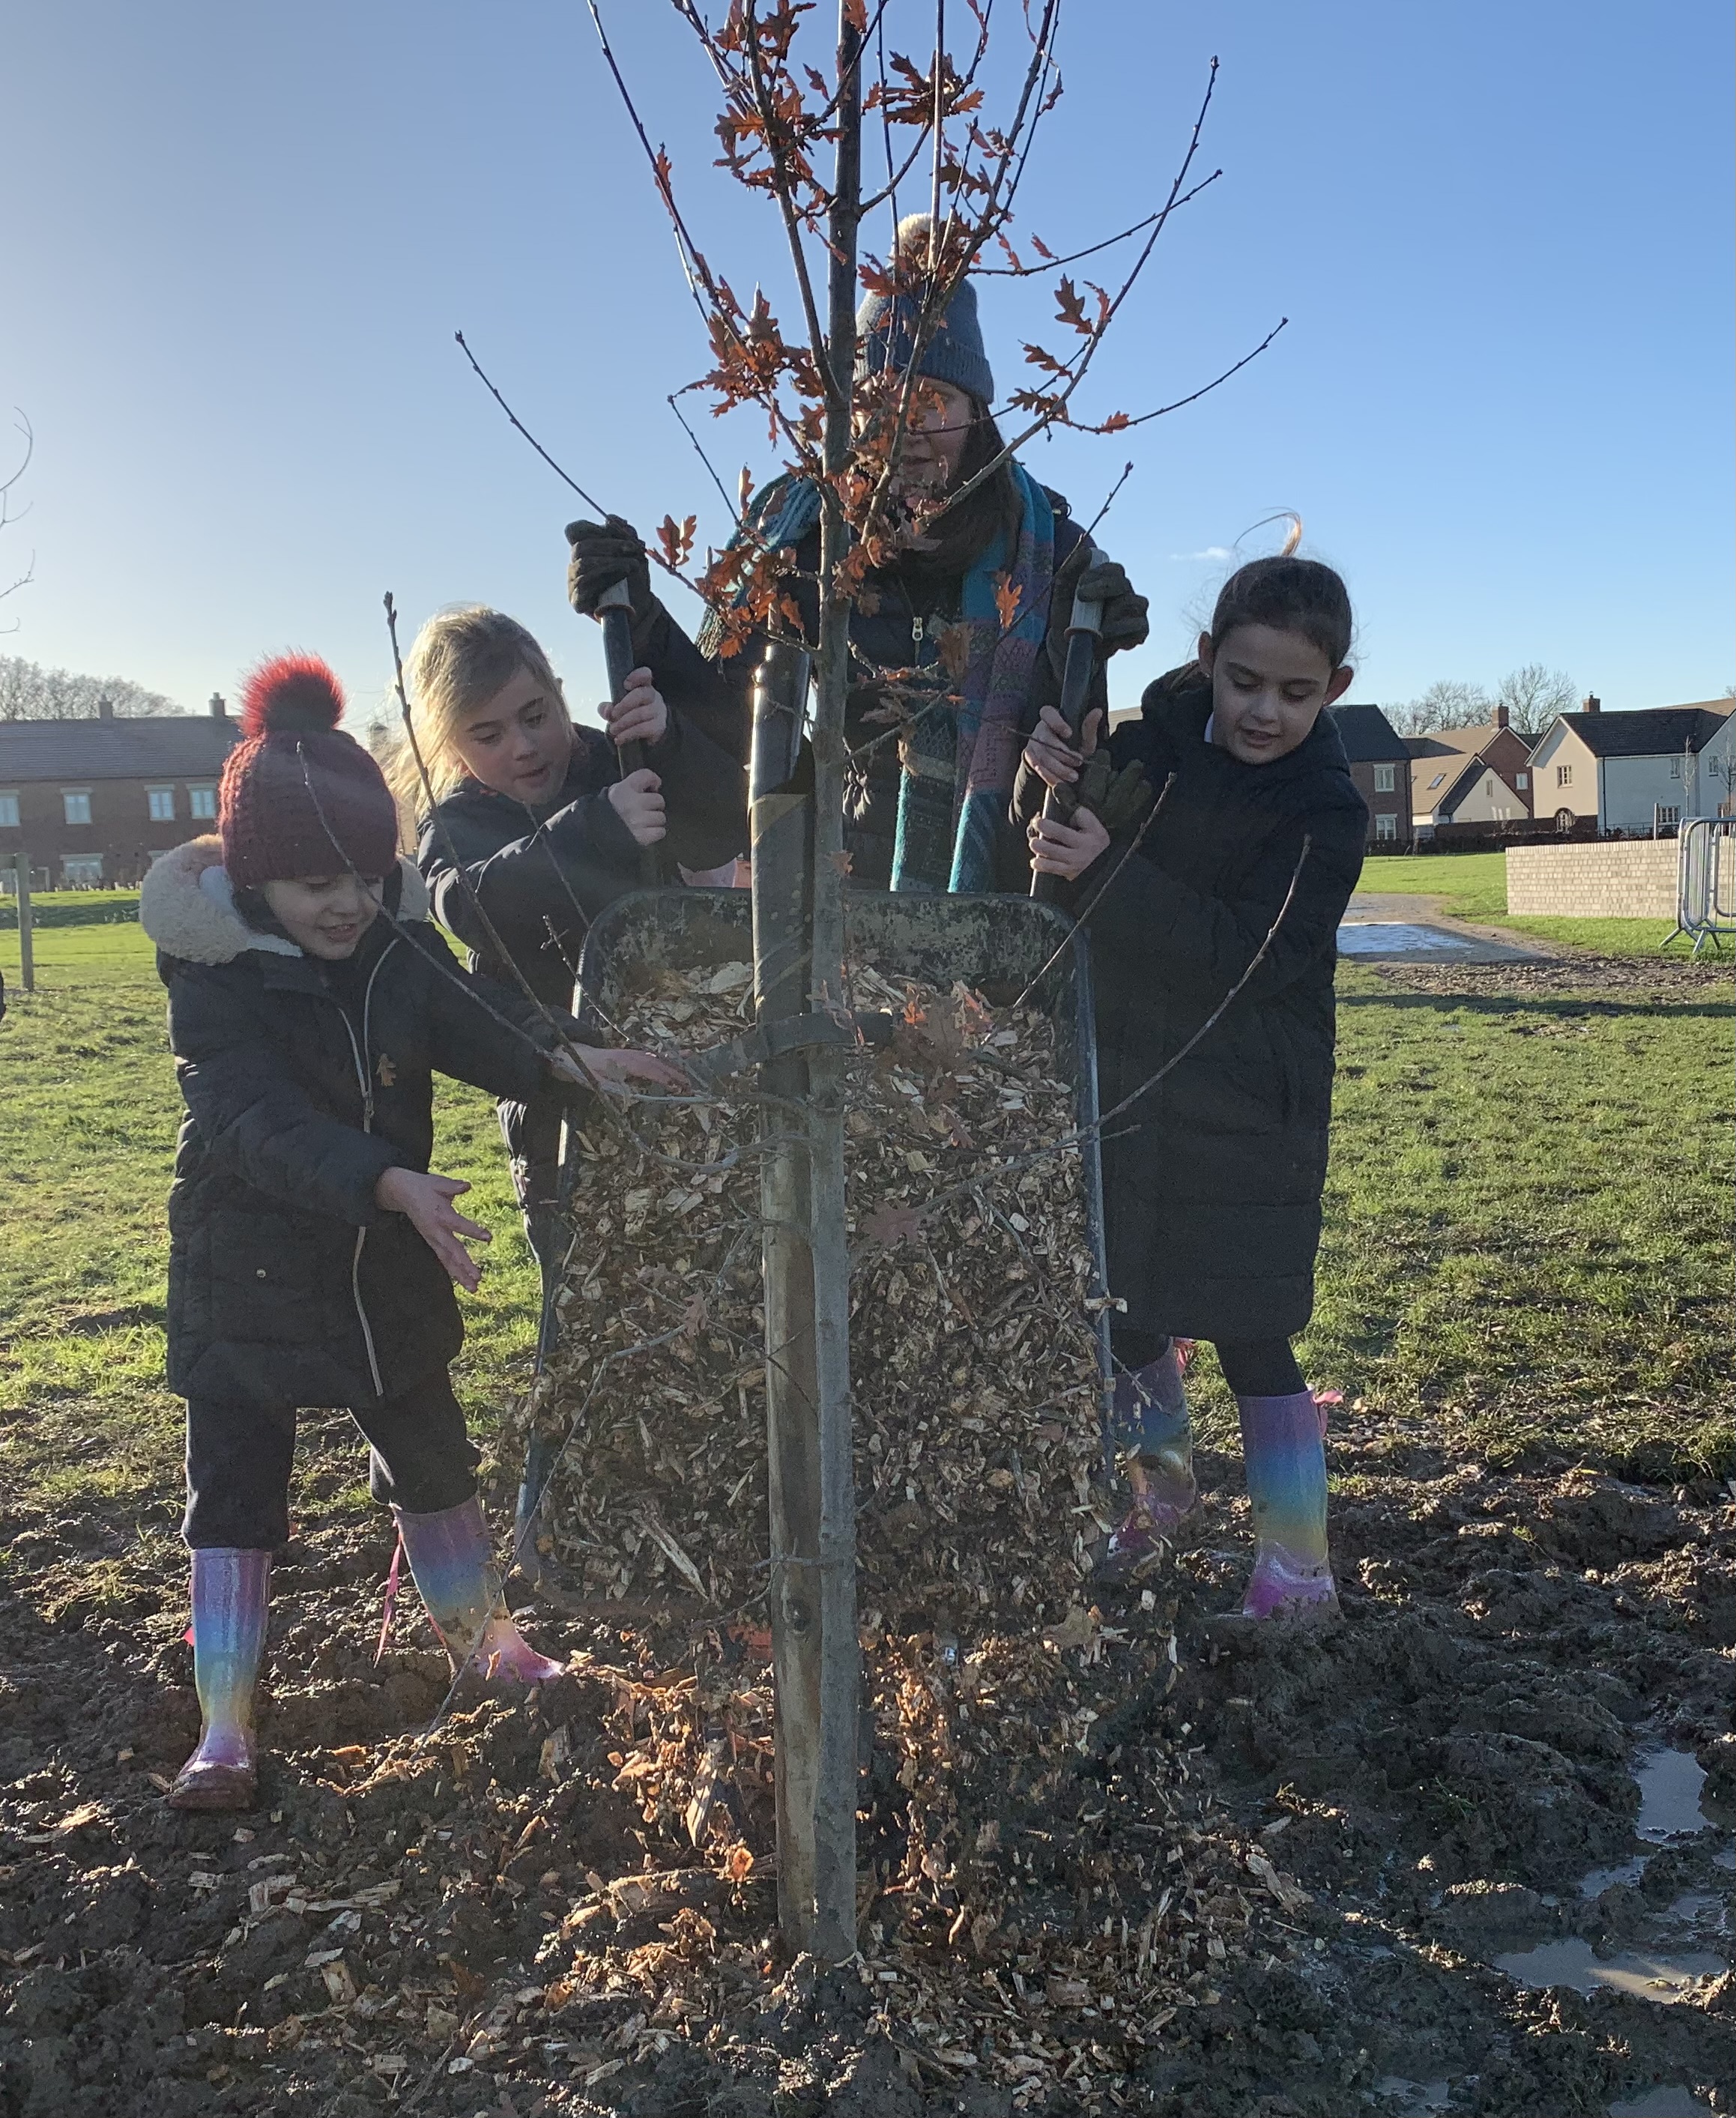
1290	595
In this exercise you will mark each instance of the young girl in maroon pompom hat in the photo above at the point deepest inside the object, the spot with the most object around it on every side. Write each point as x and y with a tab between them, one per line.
311	1252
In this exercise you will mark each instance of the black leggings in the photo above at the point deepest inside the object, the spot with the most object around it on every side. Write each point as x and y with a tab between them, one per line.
1253	1367
238	1458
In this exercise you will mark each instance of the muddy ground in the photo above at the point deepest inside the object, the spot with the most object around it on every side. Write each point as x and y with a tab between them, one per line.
1446	1775
1518	1749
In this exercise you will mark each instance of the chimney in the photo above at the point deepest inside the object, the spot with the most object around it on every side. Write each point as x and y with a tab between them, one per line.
1594	704
106	709
1501	716
217	710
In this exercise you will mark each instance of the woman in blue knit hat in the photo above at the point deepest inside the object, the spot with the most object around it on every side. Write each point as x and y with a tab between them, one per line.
943	692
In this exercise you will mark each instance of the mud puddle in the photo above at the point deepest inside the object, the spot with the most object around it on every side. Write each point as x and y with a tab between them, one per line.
1673	1795
1664	1979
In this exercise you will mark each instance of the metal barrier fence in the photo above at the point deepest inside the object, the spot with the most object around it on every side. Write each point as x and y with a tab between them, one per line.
1705	881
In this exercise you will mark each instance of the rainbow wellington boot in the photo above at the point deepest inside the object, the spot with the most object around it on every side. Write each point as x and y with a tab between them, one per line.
453	1564
1155	1434
1284	1443
230	1590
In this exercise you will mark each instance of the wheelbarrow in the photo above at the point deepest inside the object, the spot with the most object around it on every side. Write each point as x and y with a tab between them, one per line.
997	945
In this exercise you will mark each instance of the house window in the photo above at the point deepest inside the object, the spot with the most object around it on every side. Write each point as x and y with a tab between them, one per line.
1489	786
1668	814
1520	780
1386	824
1675	768
201	801
81	871
8	813
162	804
76	802
1564	775
1383	779
1436	781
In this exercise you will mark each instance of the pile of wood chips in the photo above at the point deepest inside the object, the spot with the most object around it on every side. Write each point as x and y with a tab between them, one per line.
1045	1889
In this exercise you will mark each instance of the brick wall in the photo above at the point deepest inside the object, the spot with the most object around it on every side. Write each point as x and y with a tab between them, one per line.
1628	879
121	832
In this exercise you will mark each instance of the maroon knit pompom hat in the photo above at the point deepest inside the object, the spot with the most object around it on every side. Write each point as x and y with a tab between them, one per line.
299	797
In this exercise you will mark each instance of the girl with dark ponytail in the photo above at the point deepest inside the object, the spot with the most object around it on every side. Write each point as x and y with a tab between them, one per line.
1213	1177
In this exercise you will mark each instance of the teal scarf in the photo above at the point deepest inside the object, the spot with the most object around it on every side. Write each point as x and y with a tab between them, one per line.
959	764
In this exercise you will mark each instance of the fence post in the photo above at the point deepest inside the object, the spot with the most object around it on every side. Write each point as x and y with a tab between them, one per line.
26	938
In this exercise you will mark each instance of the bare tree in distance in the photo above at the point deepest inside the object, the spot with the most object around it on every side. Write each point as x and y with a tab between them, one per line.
1448	704
29	692
1533	696
7	517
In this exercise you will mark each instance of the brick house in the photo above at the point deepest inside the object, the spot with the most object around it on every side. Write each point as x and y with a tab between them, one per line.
1471	780
94	801
1379	765
1635	773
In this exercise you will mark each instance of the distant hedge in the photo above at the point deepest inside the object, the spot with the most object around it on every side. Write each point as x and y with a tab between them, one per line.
74	907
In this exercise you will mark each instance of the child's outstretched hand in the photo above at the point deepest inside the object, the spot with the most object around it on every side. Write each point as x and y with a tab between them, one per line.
1066	849
426	1203
637	801
612	1070
1051	752
639	715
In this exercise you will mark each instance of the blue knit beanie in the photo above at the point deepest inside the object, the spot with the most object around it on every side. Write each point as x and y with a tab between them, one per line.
885	329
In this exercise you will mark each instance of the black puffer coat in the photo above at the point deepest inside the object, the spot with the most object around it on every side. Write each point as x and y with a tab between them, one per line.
525	870
895	624
1213	1179
303	1083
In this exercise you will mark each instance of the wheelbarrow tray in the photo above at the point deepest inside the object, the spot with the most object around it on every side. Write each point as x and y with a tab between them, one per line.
996	944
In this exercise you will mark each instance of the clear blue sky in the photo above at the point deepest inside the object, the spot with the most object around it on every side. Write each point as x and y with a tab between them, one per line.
239	239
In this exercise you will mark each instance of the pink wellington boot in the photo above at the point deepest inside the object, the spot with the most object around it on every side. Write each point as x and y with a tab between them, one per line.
230	1590
1284	1447
1152	1425
451	1560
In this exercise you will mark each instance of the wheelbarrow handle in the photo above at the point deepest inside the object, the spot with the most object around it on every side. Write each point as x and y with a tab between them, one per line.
615	614
1084	632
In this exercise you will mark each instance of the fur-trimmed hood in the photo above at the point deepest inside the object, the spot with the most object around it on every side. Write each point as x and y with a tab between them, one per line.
187	906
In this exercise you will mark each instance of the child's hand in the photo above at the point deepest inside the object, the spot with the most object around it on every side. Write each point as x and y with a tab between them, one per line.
426	1202
1051	752
637	801
639	715
1066	849
597	1068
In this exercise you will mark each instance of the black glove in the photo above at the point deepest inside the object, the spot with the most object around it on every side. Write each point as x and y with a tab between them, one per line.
1115	799
603	554
1126	621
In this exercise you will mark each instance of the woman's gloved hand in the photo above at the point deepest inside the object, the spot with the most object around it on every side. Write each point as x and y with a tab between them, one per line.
1126	614
602	554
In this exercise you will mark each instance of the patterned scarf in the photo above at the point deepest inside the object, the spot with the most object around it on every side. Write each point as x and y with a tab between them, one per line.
959	766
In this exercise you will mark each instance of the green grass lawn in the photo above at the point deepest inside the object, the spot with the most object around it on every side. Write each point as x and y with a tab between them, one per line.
1469	885
1527	1220
87	1133
1526	1226
1473	886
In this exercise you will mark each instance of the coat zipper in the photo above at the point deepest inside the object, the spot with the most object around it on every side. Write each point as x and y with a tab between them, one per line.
366	1081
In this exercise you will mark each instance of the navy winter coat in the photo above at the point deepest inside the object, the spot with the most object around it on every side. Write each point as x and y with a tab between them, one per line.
1212	1180
304	1082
